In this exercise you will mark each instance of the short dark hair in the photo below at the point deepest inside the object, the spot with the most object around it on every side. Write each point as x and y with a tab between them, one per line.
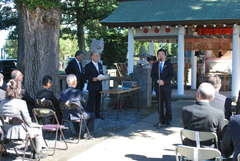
46	79
162	50
215	80
93	52
79	52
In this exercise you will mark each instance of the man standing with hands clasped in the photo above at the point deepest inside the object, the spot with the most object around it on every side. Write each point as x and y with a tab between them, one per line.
94	73
162	73
75	67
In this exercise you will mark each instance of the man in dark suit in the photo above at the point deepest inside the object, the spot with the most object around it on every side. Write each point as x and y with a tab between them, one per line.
231	138
74	95
48	94
201	116
75	67
92	70
219	99
162	73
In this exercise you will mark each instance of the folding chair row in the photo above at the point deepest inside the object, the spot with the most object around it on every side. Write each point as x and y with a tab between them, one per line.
42	117
45	104
197	154
199	136
11	121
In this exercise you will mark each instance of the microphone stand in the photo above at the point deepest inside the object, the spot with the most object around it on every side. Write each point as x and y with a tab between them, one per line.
159	96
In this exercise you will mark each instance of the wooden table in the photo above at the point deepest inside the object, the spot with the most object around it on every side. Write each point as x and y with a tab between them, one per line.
119	92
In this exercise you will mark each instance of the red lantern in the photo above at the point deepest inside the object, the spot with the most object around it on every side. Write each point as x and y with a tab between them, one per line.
167	29
156	30
145	30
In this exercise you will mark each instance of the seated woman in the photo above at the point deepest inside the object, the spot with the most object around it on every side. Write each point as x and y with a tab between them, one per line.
48	94
13	105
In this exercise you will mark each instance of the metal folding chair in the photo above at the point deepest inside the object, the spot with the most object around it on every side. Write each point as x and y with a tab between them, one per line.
44	114
199	136
225	122
197	154
81	121
11	121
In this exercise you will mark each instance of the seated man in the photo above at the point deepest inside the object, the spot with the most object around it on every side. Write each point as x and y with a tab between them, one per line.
219	99
201	116
46	93
231	138
74	97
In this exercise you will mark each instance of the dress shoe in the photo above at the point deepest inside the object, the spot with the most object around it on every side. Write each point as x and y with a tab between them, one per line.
168	123
40	155
87	136
100	117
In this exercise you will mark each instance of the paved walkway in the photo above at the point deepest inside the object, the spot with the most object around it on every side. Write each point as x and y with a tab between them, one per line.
140	142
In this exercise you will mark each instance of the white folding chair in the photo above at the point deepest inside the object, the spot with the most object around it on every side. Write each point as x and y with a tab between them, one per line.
199	136
197	154
238	157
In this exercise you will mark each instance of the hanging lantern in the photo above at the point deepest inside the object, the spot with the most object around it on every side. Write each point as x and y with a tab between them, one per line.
156	30
167	29
145	30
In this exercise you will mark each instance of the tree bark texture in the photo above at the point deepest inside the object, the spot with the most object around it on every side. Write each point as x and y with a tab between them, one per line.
39	46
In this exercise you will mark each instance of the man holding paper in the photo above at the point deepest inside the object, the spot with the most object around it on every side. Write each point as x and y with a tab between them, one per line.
94	75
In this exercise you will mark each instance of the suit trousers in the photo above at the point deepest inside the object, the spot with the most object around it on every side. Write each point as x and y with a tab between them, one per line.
164	106
94	102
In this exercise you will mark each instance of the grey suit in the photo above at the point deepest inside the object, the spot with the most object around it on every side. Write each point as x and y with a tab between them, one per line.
202	117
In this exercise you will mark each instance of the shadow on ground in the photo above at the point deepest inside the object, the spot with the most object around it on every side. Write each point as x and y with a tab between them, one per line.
144	158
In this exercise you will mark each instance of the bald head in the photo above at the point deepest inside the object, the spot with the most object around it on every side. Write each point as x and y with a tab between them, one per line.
205	91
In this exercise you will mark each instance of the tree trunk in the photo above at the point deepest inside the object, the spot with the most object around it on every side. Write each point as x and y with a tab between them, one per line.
39	47
80	36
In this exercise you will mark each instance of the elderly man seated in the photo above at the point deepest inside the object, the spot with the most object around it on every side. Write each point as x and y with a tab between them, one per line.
74	97
201	116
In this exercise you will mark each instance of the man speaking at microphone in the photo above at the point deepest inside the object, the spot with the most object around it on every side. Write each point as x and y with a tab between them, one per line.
162	73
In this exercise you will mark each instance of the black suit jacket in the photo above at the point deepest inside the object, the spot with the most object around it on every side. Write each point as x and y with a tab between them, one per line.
90	73
218	102
49	95
203	117
231	138
72	68
72	95
166	75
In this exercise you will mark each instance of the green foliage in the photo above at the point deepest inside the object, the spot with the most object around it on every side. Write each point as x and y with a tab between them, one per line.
10	48
8	15
32	4
68	47
170	47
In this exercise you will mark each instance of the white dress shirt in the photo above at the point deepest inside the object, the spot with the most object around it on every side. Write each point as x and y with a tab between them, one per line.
96	65
78	65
